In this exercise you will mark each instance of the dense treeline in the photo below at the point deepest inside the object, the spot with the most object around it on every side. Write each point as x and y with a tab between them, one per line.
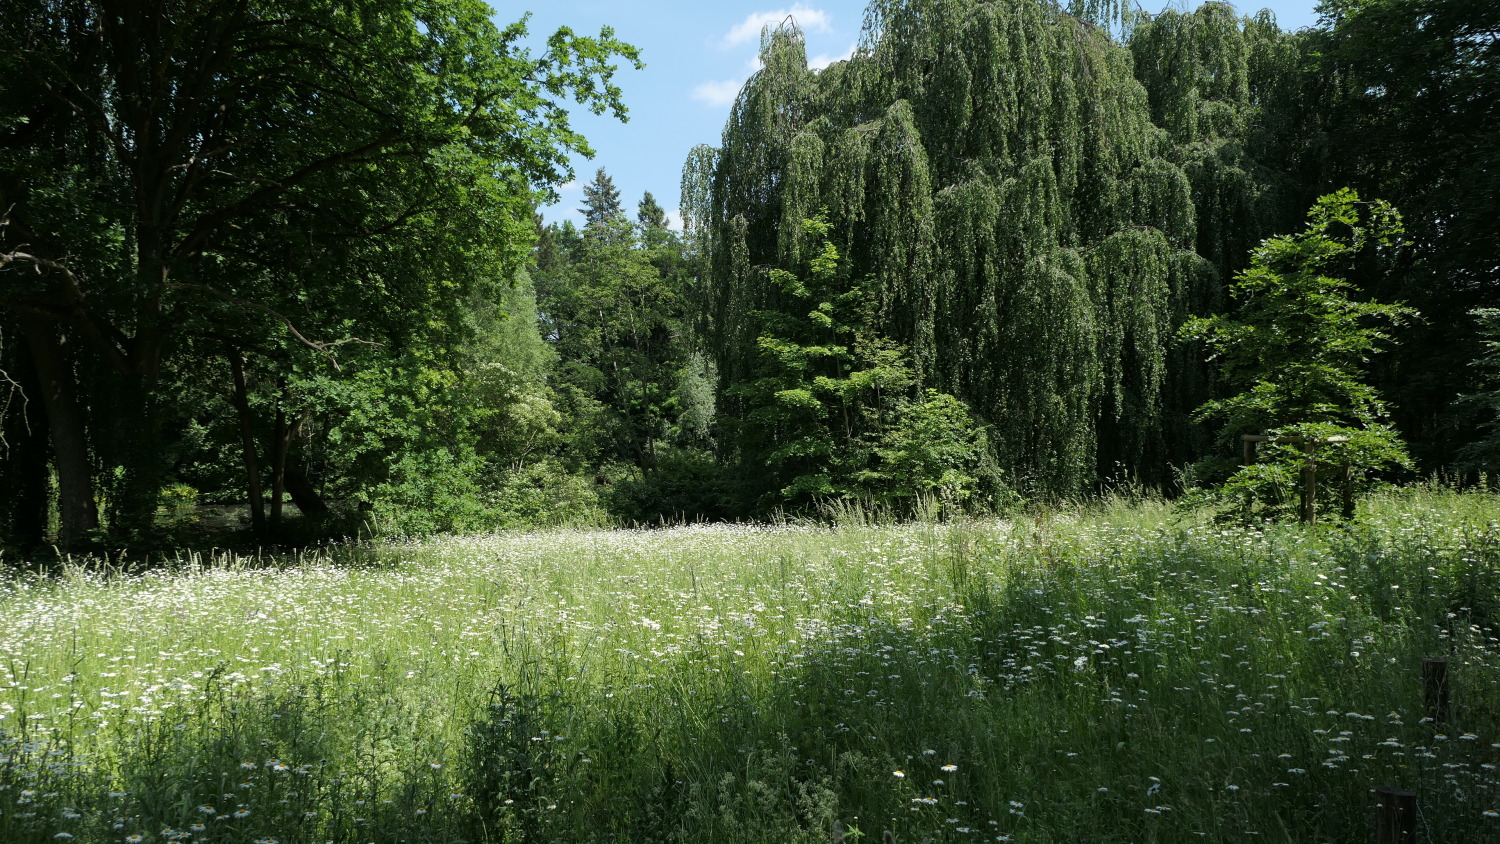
266	247
949	271
1035	208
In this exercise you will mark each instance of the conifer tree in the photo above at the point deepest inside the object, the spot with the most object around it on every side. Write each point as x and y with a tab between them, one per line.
650	214
601	201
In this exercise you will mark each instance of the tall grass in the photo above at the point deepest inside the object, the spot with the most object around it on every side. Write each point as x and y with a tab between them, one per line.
1119	673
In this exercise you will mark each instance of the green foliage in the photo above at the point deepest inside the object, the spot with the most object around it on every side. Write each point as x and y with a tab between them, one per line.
428	491
1405	93
1029	264
650	215
542	493
177	498
1230	93
1415	80
934	452
172	184
685	484
696	399
601	200
1273	486
251	276
1297	340
613	319
1483	455
1297	346
637	399
828	412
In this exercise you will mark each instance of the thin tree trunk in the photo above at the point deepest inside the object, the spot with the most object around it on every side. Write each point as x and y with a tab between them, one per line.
283	435
241	401
78	512
132	513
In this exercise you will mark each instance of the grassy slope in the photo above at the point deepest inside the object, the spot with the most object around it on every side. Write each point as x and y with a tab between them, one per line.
1123	674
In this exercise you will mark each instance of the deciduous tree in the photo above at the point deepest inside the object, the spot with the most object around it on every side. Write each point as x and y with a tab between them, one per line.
272	171
1298	345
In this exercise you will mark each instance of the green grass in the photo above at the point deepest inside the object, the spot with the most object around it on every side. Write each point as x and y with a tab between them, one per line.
1122	673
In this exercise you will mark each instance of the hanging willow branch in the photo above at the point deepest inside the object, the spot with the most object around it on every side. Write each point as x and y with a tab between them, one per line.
1001	174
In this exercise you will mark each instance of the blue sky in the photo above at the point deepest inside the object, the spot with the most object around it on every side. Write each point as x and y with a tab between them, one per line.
697	55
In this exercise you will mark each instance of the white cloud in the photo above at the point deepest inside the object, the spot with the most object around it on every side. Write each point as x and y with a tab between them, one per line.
567	186
718	93
748	30
824	60
674	220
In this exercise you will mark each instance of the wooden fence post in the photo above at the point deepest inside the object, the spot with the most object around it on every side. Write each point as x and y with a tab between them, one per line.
1310	487
1435	688
1395	816
1348	479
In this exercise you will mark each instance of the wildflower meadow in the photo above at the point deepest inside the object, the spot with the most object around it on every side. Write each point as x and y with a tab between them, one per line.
1127	672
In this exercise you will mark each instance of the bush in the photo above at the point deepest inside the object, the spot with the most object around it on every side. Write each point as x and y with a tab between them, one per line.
542	494
685	485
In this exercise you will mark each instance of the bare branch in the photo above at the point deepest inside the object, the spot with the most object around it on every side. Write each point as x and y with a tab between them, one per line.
13	388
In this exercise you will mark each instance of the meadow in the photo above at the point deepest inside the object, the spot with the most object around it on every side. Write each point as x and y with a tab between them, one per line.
1126	672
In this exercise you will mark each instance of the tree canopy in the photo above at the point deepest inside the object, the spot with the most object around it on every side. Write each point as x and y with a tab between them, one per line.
266	174
994	170
289	251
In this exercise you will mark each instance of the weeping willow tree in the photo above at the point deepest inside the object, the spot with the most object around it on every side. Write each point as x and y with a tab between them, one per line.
993	172
1231	94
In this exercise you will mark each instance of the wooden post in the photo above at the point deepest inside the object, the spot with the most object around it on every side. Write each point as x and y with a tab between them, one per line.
1395	816
1435	688
1348	478
1310	487
1247	442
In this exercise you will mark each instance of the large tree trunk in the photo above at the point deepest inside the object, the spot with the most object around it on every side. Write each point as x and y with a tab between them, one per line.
241	401
24	495
132	513
78	512
304	495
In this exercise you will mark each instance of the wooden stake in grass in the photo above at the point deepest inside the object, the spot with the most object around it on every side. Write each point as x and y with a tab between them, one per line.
1310	488
1395	816
1346	477
1435	688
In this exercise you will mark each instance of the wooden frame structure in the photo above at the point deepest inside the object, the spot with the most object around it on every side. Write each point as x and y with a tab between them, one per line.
1309	492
